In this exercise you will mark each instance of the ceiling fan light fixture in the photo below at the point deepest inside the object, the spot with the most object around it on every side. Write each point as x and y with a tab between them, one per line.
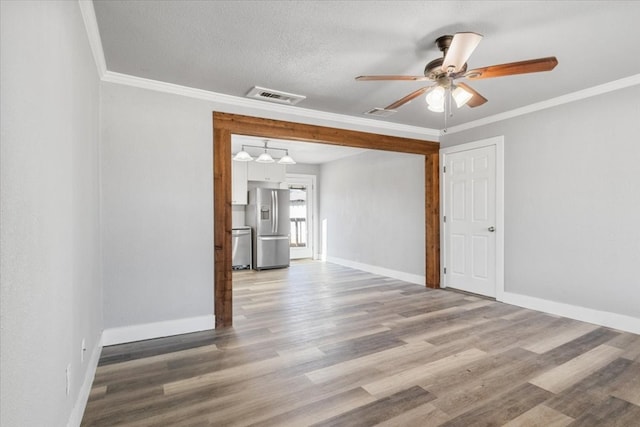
435	99
456	50
242	156
461	96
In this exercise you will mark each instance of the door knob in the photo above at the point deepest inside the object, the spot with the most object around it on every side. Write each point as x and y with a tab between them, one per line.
491	229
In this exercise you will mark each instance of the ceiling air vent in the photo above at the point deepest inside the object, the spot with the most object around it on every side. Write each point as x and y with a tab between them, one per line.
277	96
380	112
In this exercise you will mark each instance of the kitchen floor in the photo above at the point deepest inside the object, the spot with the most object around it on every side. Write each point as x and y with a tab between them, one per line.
322	344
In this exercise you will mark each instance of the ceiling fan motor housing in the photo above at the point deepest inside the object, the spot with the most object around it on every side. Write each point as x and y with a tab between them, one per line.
434	70
443	43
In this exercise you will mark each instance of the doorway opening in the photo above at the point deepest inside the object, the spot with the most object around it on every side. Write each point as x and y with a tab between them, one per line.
302	215
225	125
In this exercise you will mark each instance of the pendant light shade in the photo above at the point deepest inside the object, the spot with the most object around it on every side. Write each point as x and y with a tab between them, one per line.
243	156
287	160
265	158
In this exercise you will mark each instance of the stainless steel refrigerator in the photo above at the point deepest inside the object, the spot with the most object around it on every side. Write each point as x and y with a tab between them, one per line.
268	215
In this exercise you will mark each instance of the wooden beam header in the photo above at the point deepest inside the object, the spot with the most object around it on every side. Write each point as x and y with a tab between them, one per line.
268	128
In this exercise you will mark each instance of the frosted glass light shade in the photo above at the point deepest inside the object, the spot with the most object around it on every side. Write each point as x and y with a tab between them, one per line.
265	158
287	160
242	156
461	96
435	99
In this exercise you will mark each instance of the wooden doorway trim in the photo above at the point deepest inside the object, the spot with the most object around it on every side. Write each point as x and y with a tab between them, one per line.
224	125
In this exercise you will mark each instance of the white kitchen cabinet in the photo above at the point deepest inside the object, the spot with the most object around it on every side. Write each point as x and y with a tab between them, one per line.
238	183
272	172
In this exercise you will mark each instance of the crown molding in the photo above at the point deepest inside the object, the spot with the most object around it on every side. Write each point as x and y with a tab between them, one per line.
550	103
235	104
93	34
240	104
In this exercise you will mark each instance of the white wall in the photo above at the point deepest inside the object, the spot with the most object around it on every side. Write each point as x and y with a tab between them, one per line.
157	207
572	201
373	204
50	237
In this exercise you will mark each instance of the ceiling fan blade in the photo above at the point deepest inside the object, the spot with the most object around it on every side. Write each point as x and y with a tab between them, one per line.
400	102
461	48
476	100
522	67
372	78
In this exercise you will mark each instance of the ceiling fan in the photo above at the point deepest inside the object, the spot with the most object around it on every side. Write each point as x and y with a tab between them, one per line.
444	72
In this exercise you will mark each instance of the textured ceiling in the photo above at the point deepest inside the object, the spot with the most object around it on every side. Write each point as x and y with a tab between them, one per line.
316	48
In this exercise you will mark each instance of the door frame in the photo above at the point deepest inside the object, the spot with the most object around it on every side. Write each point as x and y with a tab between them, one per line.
312	232
498	142
226	124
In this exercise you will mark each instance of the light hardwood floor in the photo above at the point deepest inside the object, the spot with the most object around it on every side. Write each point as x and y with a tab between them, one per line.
321	344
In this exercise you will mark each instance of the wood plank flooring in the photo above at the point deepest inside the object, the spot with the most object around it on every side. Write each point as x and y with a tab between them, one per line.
320	344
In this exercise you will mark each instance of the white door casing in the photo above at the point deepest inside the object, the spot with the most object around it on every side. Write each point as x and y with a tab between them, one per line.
472	222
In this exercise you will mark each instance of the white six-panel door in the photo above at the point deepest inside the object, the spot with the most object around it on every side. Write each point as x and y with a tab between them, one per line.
470	220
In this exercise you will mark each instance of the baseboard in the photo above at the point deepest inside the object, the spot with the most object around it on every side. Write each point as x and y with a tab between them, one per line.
83	396
597	317
400	275
148	331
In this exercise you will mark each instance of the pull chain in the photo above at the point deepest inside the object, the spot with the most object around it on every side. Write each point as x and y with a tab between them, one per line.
445	123
447	108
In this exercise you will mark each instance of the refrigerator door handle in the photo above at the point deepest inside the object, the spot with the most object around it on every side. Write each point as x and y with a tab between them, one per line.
275	222
273	213
273	237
